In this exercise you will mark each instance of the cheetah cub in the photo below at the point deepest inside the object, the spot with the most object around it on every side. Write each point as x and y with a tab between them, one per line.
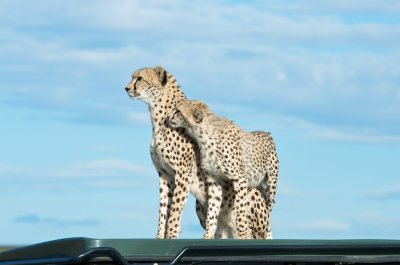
247	159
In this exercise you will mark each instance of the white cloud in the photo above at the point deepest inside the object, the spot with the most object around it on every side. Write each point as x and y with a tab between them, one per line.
102	173
288	56
336	133
324	225
171	20
43	50
134	217
241	23
33	219
6	169
361	137
319	131
385	194
312	227
106	148
356	134
139	117
102	168
369	224
375	6
378	224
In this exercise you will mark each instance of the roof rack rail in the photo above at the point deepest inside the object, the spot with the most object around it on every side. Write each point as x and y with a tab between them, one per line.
187	251
338	254
101	252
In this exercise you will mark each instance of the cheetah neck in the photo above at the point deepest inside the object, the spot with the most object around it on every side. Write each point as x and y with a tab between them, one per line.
171	97
207	139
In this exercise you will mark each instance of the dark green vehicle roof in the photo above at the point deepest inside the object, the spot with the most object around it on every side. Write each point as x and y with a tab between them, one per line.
182	251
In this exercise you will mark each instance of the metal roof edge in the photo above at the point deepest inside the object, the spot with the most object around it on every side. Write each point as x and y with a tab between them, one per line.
70	248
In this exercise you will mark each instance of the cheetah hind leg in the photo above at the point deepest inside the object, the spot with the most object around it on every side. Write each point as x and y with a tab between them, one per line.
226	227
268	193
201	211
258	215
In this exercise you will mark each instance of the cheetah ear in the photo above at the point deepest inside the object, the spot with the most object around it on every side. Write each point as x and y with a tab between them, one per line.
161	74
198	115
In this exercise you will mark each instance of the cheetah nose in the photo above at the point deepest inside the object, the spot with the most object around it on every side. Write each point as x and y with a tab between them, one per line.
127	89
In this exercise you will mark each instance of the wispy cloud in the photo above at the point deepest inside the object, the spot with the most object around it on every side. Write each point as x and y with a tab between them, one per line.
106	148
285	56
62	106
319	130
33	219
346	134
103	174
361	225
101	168
93	168
378	224
6	169
324	225
384	194
313	228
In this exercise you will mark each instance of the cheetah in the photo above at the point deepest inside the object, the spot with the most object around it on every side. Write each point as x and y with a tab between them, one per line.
247	159
174	156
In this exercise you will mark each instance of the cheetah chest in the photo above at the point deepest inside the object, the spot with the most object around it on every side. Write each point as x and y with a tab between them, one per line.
211	163
158	154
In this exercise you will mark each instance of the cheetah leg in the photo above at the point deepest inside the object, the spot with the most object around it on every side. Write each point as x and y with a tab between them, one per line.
240	188
166	189
214	196
201	211
269	209
179	199
226	225
268	189
270	183
227	216
222	228
269	232
271	191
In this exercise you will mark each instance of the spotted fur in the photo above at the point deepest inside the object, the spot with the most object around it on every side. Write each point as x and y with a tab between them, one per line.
174	156
257	214
247	159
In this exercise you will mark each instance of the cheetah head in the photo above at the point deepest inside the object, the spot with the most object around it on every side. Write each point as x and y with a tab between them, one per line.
147	84
189	115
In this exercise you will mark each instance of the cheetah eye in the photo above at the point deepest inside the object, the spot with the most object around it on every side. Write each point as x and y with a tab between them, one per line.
175	113
137	80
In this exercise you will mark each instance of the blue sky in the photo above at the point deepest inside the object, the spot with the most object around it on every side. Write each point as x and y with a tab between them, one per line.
322	76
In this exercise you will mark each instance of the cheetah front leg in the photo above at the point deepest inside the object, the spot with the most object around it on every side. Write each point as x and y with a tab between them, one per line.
201	211
179	198
214	199
226	227
240	188
166	191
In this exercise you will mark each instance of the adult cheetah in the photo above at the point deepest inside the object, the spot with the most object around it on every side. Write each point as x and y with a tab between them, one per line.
174	156
248	159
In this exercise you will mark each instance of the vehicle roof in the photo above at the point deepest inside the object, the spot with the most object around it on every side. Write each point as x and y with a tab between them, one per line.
176	251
